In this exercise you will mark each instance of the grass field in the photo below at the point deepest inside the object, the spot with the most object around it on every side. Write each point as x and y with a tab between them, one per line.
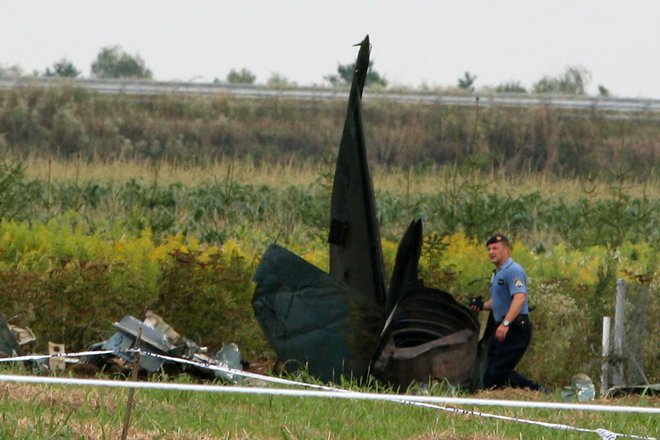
34	411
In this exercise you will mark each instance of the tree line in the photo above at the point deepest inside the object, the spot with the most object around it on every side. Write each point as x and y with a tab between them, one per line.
112	62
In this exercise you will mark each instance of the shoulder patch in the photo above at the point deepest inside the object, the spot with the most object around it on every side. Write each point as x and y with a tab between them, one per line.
518	282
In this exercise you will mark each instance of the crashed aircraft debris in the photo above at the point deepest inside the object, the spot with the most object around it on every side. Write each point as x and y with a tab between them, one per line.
15	340
160	344
154	335
348	322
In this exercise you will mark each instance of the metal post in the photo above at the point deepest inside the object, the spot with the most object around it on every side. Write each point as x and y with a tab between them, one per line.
617	373
604	378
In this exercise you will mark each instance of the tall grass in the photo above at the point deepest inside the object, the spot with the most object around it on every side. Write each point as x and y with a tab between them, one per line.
68	122
280	173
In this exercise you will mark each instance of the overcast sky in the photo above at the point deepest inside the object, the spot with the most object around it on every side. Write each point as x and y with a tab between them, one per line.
414	42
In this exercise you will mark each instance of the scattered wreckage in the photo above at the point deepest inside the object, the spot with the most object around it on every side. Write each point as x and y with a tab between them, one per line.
348	322
14	340
161	348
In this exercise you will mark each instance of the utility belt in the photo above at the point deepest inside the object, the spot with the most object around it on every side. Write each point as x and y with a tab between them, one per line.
521	320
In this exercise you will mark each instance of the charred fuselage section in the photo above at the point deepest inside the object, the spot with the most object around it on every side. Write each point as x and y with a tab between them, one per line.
348	322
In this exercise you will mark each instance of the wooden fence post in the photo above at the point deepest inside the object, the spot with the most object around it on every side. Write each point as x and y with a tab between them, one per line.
131	391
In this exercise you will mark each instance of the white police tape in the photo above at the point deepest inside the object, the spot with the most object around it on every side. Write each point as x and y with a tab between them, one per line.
603	433
325	391
39	357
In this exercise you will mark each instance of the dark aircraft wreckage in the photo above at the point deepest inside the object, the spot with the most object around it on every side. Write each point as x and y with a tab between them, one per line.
348	322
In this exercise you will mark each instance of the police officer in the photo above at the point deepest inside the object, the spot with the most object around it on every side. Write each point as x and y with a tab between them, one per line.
508	302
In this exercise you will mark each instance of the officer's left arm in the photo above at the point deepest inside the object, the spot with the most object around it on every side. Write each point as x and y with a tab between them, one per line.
517	303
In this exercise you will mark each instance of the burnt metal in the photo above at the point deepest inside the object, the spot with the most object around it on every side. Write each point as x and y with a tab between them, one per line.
429	337
405	277
357	260
347	322
338	232
312	320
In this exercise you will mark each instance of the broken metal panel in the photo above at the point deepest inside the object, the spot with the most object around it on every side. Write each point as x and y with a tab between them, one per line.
430	336
310	319
150	335
8	345
405	277
155	336
229	356
355	250
24	337
157	323
121	341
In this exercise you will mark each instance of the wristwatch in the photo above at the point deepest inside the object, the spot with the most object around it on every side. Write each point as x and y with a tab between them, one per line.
506	323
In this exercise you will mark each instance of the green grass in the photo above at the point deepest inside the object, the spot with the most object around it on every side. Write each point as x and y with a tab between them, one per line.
35	411
291	203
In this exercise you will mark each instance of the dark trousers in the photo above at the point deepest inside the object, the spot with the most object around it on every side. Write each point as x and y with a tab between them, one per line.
504	356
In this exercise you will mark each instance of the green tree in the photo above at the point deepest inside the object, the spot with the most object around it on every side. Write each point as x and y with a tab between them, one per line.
573	81
63	69
467	82
244	76
113	62
603	91
510	87
344	76
12	200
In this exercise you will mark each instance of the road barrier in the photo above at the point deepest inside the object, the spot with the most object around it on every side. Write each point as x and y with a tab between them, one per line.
626	106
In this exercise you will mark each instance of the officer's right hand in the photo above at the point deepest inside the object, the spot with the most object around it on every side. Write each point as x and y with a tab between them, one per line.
477	304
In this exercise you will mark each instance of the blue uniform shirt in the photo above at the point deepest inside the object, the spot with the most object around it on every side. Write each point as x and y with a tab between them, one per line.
507	280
